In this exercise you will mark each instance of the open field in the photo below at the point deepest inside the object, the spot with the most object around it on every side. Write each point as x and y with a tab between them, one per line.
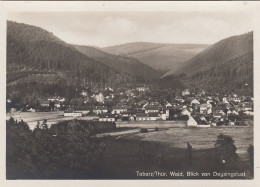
128	150
202	138
165	151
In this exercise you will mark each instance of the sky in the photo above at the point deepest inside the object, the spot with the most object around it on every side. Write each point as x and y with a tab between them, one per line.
104	29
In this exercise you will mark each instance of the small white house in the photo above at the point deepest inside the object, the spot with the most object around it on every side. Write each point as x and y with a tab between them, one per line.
225	100
185	92
164	117
186	112
141	89
250	113
119	110
168	105
99	97
195	101
106	117
99	110
84	93
192	122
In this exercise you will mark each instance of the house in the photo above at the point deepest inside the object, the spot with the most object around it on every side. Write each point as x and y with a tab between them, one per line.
195	101
225	100
205	108
130	93
72	114
100	109
192	122
210	101
168	105
234	112
141	89
247	107
119	109
180	99
217	115
141	117
154	117
57	104
201	121
45	103
234	98
201	93
84	93
56	98
107	117
131	118
229	112
185	92
31	110
84	112
151	109
109	89
13	109
164	117
250	113
148	117
186	112
99	97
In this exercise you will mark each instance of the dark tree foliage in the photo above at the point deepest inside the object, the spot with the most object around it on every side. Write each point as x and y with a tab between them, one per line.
225	149
19	149
66	150
226	66
35	55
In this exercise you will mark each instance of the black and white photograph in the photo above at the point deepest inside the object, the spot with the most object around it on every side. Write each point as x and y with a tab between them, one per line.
130	95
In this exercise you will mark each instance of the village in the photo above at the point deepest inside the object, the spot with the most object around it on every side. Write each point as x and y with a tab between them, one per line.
198	109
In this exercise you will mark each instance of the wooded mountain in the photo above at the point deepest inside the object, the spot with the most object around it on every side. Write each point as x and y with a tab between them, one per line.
120	63
163	57
226	66
36	55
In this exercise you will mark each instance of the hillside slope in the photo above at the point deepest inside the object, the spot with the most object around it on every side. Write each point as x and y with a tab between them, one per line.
163	57
226	66
32	50
120	63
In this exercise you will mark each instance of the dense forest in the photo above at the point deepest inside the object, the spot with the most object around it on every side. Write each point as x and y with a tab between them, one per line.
65	150
36	53
226	66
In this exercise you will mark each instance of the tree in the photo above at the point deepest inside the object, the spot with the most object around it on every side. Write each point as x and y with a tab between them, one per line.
19	150
225	149
66	149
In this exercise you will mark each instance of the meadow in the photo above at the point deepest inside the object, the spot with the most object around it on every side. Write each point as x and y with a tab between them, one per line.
165	151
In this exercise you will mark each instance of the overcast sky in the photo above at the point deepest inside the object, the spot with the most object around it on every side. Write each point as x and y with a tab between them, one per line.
112	28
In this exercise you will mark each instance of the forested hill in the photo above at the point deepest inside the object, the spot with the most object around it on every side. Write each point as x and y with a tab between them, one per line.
121	63
163	57
226	66
36	55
